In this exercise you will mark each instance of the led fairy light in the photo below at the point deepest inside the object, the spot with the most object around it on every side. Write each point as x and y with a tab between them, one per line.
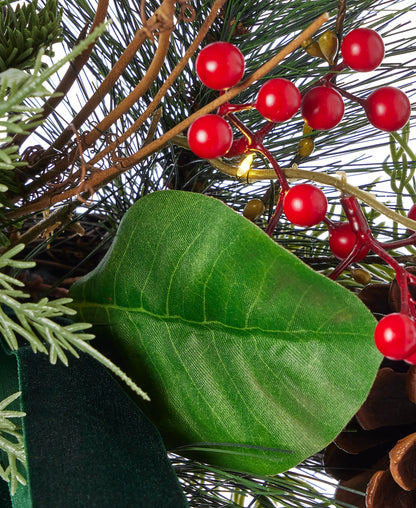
245	166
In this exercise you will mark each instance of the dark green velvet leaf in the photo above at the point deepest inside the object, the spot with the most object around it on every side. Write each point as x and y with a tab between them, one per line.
87	442
5	501
235	340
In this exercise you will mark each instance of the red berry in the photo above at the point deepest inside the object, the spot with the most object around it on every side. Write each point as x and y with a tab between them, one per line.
411	359
388	108
362	49
395	336
342	240
210	136
412	212
412	215
220	65
278	100
322	108
305	205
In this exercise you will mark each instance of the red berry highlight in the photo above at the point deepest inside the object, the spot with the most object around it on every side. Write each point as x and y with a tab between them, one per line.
220	65
395	336
210	136
305	205
322	108
388	108
342	240
278	100
362	49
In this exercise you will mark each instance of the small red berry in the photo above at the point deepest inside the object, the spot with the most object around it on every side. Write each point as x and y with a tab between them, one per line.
210	136
305	205
395	336
322	108
412	215
342	240
362	49
412	212
388	108
411	359
278	100
220	65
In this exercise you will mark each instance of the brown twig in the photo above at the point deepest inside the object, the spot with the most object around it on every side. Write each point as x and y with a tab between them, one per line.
101	91
137	93
166	85
111	147
153	126
153	23
59	215
185	5
339	25
83	185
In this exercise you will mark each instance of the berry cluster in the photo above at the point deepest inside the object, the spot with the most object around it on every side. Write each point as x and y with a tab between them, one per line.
220	66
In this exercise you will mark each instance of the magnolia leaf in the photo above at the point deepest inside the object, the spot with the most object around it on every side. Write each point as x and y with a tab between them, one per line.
252	360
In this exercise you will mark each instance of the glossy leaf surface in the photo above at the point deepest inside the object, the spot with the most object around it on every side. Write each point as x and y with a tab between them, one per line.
235	340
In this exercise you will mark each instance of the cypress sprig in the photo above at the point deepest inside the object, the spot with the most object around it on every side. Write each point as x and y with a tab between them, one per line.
11	444
36	323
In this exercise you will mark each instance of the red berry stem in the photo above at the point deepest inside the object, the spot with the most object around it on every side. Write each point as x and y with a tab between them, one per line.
243	145
227	108
251	140
326	80
277	169
262	133
365	239
360	227
410	240
255	139
334	73
255	143
271	226
350	96
248	133
238	147
328	222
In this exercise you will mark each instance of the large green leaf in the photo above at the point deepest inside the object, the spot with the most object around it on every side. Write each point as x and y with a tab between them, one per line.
235	340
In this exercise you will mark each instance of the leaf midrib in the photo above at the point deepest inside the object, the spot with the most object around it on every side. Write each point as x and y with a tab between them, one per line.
205	324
